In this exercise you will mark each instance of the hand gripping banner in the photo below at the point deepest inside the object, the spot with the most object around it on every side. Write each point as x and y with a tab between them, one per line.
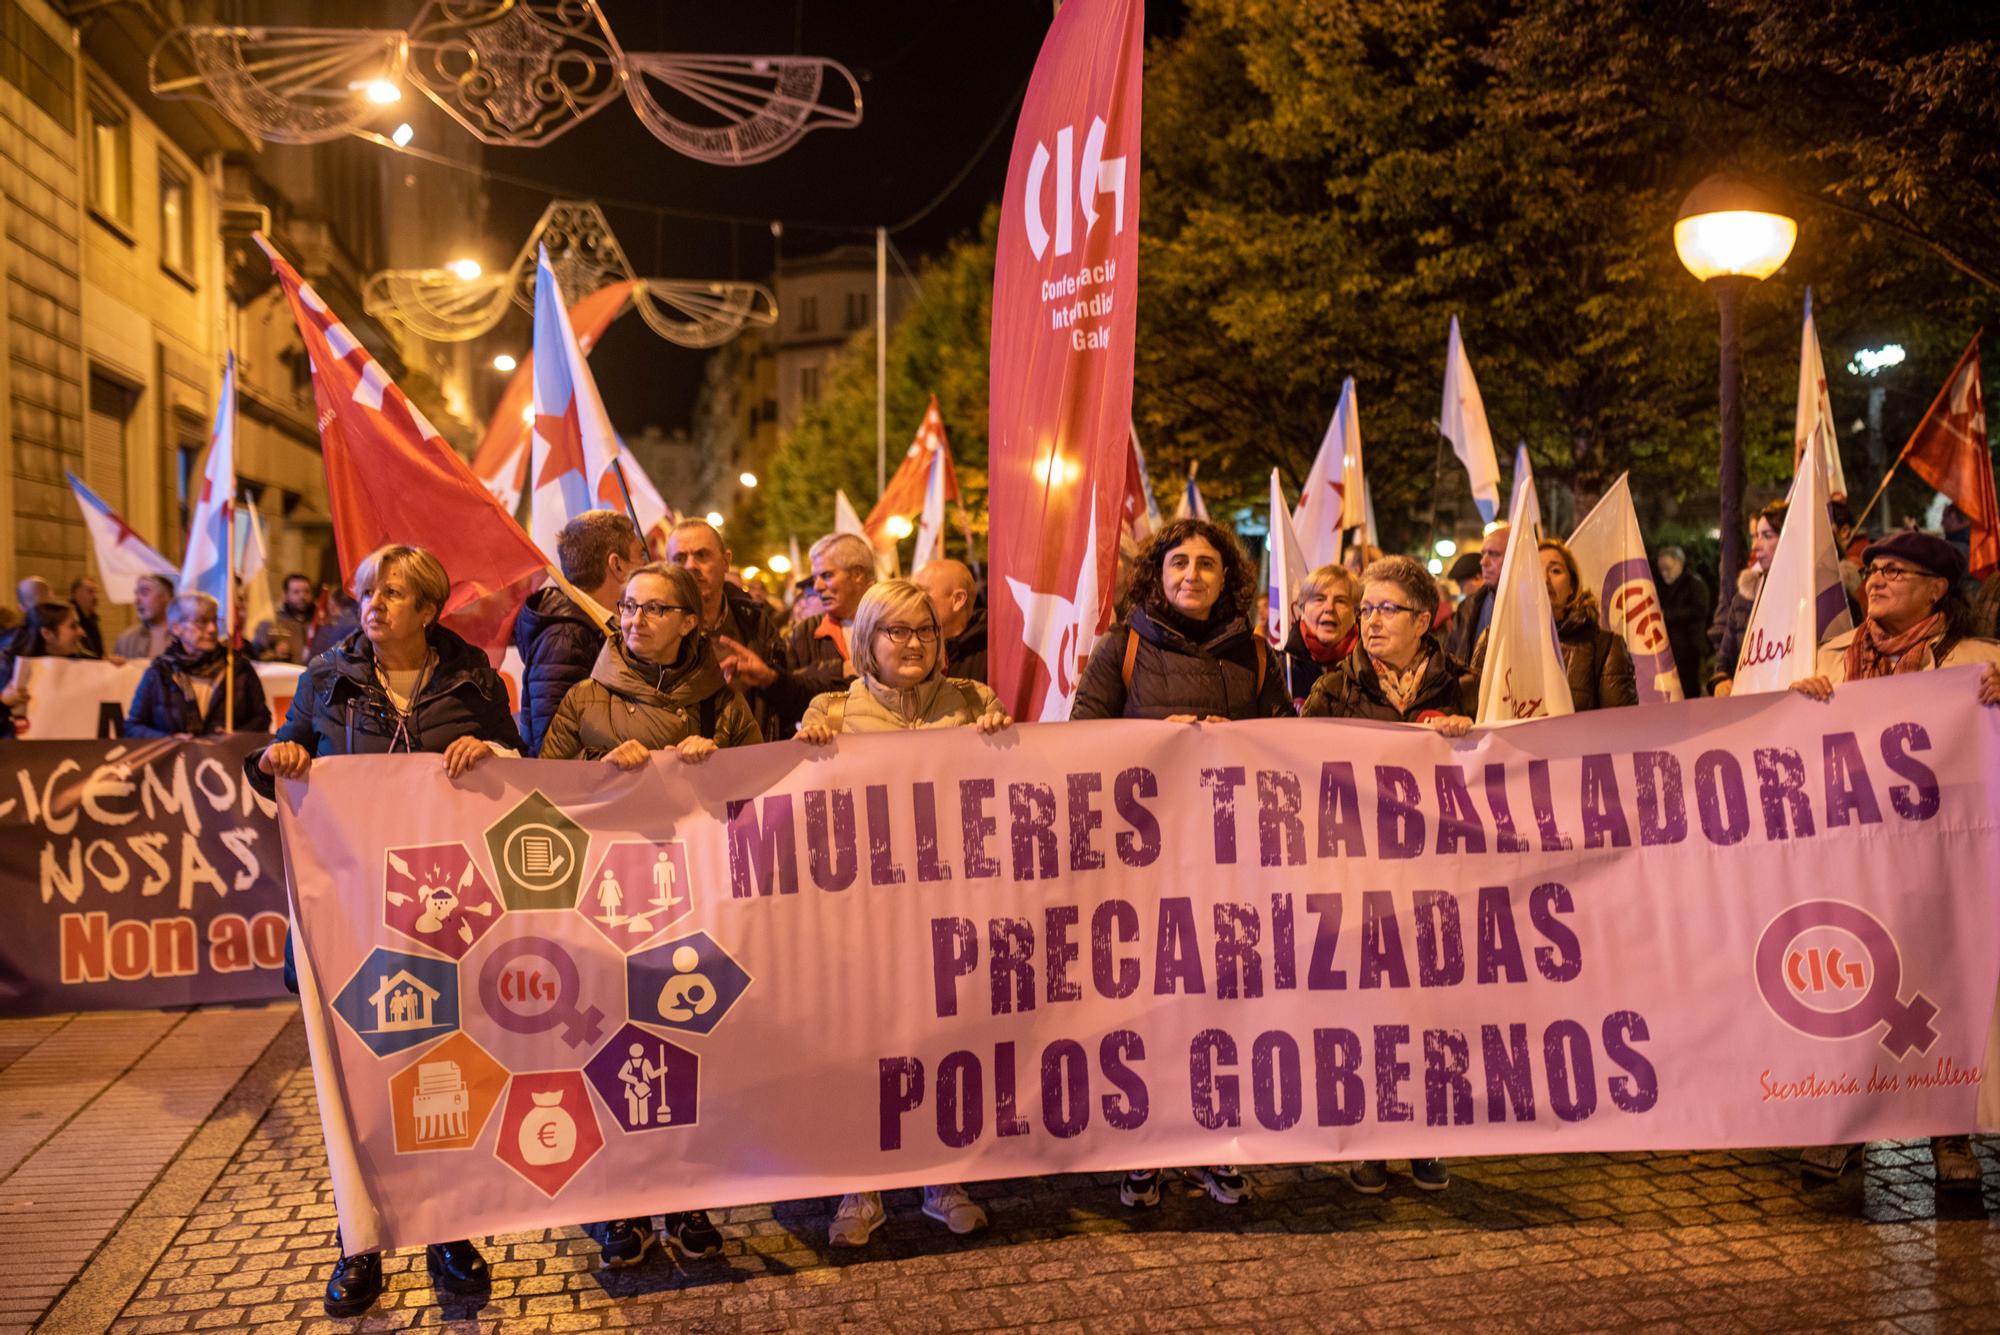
554	992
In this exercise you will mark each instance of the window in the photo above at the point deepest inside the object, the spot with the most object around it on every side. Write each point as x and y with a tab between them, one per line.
110	162
857	309
808	315
809	384
176	220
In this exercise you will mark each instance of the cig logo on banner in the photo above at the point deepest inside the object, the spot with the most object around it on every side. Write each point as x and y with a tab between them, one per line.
1078	184
1832	970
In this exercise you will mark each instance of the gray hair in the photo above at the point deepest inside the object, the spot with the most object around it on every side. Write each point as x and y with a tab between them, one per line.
189	606
1408	574
845	549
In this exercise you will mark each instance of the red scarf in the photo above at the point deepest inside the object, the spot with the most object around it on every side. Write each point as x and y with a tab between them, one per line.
1876	653
1323	654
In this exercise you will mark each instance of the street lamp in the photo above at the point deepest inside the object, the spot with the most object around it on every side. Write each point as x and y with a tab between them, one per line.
505	363
899	527
1731	233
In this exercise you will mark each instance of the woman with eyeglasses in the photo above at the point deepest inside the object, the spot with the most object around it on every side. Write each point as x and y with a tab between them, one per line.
1183	651
1598	664
656	686
401	682
1324	630
182	693
901	685
1917	620
1398	673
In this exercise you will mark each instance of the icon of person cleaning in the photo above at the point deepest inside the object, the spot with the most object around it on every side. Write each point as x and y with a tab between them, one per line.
637	1075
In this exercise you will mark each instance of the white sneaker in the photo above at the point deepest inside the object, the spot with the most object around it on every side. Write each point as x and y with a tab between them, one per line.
1827	1161
859	1215
950	1206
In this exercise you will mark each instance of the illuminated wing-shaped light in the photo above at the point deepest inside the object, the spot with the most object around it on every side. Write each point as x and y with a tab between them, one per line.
736	110
287	85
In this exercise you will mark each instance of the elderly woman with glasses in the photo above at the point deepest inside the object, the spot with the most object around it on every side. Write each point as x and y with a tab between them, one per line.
1324	630
401	682
182	693
901	686
1917	620
656	686
1398	673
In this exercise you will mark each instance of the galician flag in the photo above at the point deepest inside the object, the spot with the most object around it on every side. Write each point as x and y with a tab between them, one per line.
930	525
573	444
1813	427
205	567
1611	562
122	555
1802	602
1523	676
1284	569
1331	501
1462	419
1191	505
1139	517
253	571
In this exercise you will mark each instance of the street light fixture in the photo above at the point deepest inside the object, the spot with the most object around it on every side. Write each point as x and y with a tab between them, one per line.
1730	233
505	363
714	518
465	270
899	527
747	479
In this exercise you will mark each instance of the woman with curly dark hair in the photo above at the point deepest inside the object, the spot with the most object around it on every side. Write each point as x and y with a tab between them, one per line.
1182	649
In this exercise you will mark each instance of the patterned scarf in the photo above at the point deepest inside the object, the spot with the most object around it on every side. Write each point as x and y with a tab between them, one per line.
1401	687
1874	652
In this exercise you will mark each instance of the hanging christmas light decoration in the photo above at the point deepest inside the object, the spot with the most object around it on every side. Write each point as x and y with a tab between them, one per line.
585	256
514	73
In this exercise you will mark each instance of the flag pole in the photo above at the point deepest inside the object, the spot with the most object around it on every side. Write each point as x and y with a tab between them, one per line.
229	615
1923	422
618	470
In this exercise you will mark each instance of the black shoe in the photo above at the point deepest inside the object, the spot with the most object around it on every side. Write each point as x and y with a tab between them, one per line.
694	1234
1370	1177
626	1242
457	1268
354	1285
1430	1174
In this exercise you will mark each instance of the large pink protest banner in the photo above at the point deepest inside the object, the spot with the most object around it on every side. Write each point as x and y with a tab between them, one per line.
552	992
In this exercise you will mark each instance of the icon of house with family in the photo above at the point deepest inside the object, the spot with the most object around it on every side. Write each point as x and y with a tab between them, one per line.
396	1000
402	1001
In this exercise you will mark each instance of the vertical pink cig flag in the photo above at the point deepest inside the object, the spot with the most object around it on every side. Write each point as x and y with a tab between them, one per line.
1065	290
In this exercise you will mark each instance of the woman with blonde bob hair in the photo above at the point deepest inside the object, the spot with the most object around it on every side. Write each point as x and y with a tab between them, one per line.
399	682
901	686
1324	630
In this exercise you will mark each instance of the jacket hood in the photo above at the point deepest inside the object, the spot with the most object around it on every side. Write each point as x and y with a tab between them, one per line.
1749	580
1220	632
545	606
690	679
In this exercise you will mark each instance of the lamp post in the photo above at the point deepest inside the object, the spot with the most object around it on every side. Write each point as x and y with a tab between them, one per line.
1730	233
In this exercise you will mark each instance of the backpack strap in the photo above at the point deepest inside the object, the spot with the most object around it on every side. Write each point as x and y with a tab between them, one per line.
836	711
709	711
1263	665
1131	657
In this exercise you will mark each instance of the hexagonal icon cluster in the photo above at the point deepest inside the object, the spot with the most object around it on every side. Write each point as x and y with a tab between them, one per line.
548	1129
396	1000
648	1083
443	1099
436	895
538	854
637	890
689	984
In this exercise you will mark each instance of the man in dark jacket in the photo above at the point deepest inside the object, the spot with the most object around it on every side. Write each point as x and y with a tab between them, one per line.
557	639
818	657
83	596
954	596
748	638
1684	604
1475	614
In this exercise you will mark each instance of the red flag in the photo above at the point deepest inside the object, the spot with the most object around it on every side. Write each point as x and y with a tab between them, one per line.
390	477
904	495
501	461
1948	450
1065	293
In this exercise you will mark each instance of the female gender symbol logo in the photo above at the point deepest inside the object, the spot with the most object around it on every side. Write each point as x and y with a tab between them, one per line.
1781	974
529	986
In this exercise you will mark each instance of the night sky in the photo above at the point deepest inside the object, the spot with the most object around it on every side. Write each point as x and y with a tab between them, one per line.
936	77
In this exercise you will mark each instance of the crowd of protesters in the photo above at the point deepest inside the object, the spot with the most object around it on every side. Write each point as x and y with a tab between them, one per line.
630	656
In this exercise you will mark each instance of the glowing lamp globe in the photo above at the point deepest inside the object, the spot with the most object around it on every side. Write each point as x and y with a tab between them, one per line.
1731	228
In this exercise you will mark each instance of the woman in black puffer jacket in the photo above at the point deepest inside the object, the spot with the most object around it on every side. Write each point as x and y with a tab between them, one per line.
399	683
1183	651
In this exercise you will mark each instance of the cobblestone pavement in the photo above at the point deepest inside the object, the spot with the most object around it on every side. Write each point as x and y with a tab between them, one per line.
1538	1243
